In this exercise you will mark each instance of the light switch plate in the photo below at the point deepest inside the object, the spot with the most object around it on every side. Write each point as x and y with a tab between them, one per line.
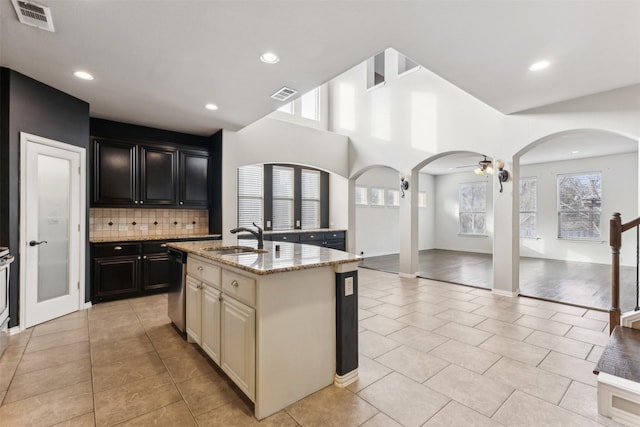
348	286
268	224
297	223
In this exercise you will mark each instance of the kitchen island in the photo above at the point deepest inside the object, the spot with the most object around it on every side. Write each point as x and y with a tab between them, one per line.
281	322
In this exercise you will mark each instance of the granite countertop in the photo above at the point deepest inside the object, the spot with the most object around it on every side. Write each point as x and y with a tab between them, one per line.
292	256
151	238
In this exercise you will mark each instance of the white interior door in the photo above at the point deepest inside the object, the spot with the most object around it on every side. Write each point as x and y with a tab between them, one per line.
52	229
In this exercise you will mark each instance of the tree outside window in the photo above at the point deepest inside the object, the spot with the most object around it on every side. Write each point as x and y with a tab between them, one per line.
579	205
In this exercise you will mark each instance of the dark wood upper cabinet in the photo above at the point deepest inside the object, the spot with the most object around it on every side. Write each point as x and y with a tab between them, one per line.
158	177
140	174
115	177
194	178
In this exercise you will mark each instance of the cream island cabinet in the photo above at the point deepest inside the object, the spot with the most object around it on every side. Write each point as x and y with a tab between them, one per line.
281	324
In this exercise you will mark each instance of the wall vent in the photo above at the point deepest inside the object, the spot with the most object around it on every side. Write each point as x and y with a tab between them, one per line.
284	94
33	14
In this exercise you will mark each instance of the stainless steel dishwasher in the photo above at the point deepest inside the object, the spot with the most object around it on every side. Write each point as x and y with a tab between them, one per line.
177	283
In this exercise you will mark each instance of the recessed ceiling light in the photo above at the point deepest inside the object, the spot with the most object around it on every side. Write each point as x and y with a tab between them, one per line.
540	65
575	151
83	75
269	58
211	107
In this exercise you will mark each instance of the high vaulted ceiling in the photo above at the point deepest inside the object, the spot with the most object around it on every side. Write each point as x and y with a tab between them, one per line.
157	63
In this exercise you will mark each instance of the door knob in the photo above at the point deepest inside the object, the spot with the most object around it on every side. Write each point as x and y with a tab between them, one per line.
34	243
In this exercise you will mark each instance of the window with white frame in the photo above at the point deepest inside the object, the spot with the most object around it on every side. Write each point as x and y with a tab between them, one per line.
422	199
393	198
287	108
361	196
282	198
377	197
472	208
406	64
528	206
375	70
250	195
310	195
579	205
310	105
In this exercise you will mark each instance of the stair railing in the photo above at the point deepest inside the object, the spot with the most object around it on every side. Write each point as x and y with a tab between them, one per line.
616	228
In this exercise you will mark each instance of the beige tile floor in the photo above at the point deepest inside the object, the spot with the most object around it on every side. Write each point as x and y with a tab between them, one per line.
431	353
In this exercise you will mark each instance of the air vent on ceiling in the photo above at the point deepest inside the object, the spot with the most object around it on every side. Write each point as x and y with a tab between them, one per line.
33	14
284	94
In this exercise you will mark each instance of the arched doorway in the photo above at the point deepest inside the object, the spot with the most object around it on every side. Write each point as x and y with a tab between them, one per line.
570	183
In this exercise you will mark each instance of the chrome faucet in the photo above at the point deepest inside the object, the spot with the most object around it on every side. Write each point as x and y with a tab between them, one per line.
258	234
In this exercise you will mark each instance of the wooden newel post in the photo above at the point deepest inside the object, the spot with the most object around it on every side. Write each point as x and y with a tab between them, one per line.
615	240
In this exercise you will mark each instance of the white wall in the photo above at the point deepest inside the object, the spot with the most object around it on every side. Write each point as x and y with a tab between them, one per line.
338	202
275	141
446	216
426	215
377	227
619	194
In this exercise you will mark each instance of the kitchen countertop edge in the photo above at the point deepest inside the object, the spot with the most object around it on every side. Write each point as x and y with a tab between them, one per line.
328	257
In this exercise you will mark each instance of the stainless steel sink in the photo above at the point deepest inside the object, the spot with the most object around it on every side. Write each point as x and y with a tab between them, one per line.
234	250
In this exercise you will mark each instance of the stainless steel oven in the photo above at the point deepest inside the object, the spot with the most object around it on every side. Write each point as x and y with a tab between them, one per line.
5	261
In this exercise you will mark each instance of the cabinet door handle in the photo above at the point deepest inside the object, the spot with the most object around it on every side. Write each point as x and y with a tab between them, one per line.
144	257
135	201
141	201
235	283
117	248
163	245
284	238
200	268
182	203
139	257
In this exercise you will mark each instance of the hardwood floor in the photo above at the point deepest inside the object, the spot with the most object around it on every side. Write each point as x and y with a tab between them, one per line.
578	283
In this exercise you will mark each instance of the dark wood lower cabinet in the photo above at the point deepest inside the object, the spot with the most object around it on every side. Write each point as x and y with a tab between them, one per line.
130	269
155	272
116	277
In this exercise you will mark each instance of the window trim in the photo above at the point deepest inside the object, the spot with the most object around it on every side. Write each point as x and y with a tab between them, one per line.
559	212
484	212
534	212
366	196
383	199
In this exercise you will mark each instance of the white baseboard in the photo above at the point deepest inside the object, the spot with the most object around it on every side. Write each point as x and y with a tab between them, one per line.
503	293
408	275
14	330
87	305
344	380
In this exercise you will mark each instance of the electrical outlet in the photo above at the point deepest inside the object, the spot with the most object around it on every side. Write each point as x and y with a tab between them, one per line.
348	286
144	227
123	228
268	224
297	223
189	227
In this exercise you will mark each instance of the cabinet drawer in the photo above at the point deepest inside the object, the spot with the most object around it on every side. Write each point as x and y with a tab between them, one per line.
311	237
285	237
154	248
334	235
239	286
103	250
201	269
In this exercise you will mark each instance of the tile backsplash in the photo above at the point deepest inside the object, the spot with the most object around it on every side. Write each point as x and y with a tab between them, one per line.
107	222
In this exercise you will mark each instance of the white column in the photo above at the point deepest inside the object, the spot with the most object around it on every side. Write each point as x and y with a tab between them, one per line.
409	228
351	213
506	233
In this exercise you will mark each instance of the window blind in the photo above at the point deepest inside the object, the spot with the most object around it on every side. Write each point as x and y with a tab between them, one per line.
310	193
250	195
283	178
